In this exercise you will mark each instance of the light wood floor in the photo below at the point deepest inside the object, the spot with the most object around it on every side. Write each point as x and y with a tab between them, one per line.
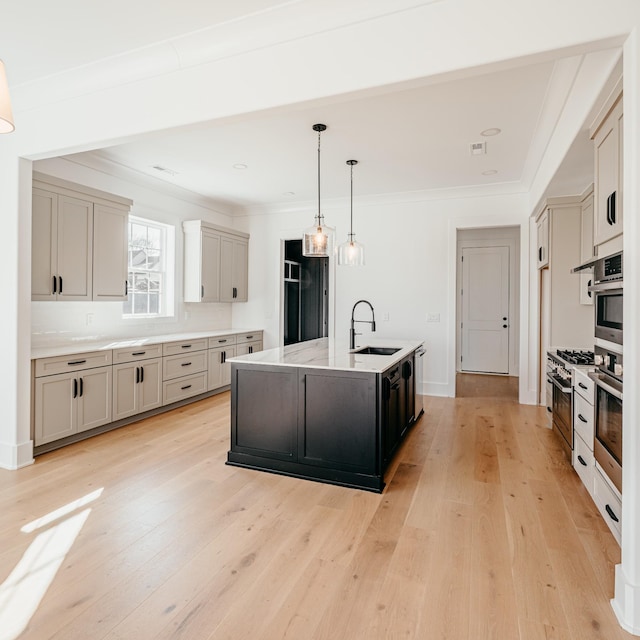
483	532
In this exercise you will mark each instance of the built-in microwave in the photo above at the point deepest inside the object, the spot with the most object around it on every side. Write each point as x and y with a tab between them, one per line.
608	290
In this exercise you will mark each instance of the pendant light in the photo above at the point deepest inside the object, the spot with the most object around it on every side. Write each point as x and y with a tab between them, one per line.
317	241
6	117
351	253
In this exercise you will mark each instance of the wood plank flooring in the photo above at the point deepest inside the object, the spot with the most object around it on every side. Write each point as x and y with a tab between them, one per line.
483	532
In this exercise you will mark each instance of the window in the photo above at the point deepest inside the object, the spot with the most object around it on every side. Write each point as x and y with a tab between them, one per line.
150	281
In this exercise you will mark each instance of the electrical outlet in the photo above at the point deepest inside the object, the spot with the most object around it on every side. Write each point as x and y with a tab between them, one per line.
433	317
89	318
385	317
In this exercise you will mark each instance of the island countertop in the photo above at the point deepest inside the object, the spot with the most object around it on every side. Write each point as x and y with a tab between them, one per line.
325	353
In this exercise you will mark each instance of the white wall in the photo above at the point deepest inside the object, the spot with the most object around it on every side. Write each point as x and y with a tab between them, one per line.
410	254
55	322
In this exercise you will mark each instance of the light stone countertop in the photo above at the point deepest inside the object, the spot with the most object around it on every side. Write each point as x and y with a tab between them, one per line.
84	346
324	353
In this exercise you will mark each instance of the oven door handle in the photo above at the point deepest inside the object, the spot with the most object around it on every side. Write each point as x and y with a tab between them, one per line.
555	383
607	286
616	393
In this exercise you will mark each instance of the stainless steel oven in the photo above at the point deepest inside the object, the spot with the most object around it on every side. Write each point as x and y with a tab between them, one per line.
607	447
608	298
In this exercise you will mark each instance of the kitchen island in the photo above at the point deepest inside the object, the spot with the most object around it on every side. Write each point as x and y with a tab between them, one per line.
320	411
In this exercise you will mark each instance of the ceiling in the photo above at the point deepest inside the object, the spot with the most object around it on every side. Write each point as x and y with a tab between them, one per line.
407	141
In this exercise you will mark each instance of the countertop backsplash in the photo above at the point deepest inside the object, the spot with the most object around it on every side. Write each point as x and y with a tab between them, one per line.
55	323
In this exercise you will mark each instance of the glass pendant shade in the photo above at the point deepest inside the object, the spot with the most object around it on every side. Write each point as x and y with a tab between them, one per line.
351	253
6	116
318	240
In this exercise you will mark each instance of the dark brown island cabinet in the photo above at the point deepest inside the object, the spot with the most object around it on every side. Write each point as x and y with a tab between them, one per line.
340	423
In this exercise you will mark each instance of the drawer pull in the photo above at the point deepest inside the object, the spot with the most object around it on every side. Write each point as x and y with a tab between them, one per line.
549	409
582	418
186	387
76	362
581	461
221	341
582	385
185	364
138	353
611	514
249	337
186	346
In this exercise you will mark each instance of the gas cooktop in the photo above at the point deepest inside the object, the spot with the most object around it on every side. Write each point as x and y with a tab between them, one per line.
576	357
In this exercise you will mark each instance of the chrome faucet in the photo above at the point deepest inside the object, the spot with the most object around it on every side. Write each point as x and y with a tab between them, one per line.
352	331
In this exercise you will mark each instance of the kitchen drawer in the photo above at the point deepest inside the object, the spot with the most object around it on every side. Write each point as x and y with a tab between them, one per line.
584	385
184	346
74	362
185	387
584	463
184	364
583	419
222	341
253	336
133	354
606	496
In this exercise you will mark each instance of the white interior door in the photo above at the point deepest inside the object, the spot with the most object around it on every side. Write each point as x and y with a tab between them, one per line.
484	305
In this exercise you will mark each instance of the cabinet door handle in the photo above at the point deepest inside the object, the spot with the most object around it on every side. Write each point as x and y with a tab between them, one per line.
186	387
185	364
582	418
589	293
60	287
250	349
504	326
582	385
81	387
223	357
75	388
138	353
55	285
202	291
581	461
549	409
539	254
186	346
141	374
76	362
126	287
235	292
612	515
611	209
137	375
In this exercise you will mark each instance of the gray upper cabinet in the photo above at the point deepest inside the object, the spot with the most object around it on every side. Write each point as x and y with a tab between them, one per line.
216	263
79	242
607	138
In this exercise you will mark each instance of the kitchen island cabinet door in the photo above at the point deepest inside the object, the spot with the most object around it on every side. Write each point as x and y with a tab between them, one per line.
338	426
264	412
55	407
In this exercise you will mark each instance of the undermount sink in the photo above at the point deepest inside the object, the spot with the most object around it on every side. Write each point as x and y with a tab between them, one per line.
377	351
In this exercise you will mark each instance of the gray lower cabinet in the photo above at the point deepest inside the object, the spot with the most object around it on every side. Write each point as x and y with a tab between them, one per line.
328	425
72	402
137	387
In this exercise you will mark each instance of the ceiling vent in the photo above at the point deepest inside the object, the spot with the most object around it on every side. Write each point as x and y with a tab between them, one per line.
478	148
159	167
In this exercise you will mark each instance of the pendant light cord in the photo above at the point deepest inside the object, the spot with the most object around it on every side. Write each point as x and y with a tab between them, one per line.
351	226
319	132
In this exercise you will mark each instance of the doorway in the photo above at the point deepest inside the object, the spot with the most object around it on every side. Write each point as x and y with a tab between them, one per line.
487	301
306	291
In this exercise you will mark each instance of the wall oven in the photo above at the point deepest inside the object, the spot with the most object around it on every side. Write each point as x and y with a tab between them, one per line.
608	296
607	446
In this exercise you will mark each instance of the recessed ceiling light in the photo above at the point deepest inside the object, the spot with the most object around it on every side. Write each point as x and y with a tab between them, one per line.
494	131
240	166
489	172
